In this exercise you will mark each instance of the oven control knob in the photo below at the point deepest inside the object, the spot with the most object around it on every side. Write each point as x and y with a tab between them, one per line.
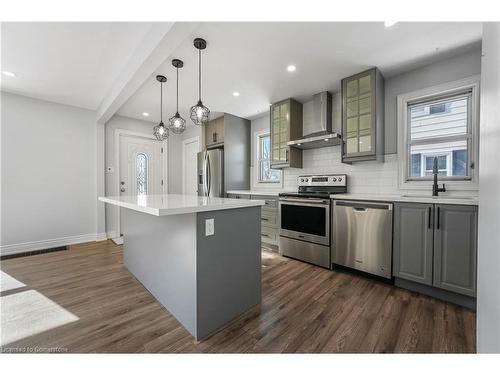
307	179
301	180
334	179
340	179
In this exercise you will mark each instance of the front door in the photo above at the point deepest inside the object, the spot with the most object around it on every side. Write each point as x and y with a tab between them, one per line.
141	166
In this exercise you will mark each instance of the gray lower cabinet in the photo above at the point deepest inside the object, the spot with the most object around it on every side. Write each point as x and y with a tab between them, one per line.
413	242
455	245
268	216
436	245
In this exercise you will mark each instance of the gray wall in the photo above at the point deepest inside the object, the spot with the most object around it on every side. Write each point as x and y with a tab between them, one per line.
174	158
48	172
448	70
488	294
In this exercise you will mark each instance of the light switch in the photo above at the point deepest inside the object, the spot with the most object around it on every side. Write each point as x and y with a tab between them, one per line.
209	227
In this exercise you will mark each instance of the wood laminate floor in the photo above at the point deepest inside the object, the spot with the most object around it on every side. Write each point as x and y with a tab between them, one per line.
85	300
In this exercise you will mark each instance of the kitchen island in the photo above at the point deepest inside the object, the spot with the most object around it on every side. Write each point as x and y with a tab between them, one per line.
200	257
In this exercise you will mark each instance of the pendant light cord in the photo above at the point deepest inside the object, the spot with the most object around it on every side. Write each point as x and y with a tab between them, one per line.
177	106
199	75
161	101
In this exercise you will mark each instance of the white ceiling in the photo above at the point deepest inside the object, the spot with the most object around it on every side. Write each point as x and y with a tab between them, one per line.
78	63
71	63
251	58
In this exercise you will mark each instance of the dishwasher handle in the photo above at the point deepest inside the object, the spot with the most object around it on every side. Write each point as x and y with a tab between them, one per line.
363	206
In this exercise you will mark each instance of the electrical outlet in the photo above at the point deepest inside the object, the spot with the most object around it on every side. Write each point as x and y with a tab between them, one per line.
209	227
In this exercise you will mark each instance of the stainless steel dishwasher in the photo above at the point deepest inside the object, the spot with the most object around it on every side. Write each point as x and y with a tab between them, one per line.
362	236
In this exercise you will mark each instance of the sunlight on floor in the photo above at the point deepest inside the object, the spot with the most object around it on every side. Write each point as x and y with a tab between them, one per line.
28	313
7	282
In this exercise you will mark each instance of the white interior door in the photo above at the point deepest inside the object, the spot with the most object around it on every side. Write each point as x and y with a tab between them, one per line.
190	149
141	166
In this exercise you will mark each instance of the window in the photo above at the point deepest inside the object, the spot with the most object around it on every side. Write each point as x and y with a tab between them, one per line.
440	128
141	166
265	173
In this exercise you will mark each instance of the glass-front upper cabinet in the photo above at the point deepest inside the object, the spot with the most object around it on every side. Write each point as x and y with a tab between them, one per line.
363	117
286	125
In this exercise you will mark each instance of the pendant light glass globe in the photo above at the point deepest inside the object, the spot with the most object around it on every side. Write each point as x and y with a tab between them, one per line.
160	132
199	114
176	123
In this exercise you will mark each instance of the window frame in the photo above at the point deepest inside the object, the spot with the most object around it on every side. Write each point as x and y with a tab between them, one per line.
257	160
437	94
260	160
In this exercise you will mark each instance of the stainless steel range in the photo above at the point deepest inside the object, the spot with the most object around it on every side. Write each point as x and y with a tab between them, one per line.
305	218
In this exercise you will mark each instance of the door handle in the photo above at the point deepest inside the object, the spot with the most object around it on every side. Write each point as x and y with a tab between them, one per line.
209	182
205	176
122	190
429	217
438	218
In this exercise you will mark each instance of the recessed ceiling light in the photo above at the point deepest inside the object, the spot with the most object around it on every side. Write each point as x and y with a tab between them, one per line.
145	114
291	68
389	23
8	74
236	93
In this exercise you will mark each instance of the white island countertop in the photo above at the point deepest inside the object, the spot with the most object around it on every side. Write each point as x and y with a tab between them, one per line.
442	199
174	204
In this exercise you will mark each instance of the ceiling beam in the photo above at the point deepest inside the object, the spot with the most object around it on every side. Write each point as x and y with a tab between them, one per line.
160	42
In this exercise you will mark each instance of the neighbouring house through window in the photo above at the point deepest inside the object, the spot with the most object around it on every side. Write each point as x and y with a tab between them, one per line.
265	173
439	122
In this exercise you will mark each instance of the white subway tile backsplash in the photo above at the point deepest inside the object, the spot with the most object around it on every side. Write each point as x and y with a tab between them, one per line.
366	177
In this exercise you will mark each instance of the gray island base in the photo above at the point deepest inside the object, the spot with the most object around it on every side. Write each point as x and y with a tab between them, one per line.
203	281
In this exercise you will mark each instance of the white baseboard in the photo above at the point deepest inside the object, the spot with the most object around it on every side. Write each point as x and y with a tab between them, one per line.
49	244
110	235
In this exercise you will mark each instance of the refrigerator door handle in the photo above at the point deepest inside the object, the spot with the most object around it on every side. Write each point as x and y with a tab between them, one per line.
209	177
205	175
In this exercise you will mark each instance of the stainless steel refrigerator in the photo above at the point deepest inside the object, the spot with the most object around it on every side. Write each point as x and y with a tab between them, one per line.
211	173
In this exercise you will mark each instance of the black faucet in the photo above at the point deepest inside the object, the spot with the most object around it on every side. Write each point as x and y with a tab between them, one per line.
435	187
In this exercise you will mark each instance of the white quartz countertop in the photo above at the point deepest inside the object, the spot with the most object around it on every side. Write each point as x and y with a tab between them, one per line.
471	201
174	204
273	193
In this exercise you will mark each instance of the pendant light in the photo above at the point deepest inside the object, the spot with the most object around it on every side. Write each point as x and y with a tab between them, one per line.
176	123
160	131
199	113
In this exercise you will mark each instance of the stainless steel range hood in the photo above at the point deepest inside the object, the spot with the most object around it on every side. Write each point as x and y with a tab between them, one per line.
318	132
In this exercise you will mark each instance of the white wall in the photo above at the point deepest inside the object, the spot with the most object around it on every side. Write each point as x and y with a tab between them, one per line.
451	69
49	188
174	158
488	289
374	177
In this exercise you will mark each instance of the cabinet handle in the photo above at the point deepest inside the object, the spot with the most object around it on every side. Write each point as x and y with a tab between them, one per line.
214	137
438	216
429	217
264	235
264	218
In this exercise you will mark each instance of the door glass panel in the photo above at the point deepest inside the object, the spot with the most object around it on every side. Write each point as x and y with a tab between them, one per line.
141	165
365	84
365	122
352	145
352	108
365	142
303	219
365	104
352	125
352	88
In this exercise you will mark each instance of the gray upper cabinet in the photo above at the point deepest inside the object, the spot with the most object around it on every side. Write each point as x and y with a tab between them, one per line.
413	242
285	125
455	244
363	117
436	245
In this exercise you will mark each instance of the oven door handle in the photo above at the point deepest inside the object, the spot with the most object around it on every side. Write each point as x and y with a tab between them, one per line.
312	200
305	204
